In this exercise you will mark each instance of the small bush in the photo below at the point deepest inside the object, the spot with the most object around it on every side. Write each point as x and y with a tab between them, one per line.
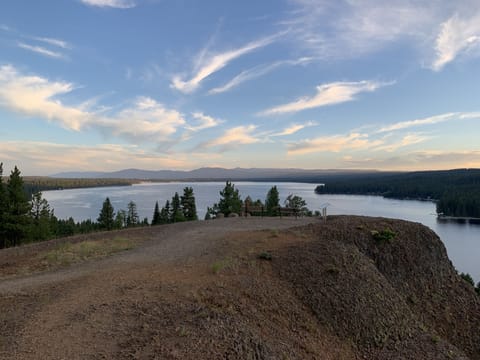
265	256
467	278
383	236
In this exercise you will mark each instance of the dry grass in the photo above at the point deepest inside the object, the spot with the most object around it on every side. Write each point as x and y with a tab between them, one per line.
68	253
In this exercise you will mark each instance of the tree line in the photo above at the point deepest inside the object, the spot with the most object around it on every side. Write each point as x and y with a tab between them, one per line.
231	203
456	192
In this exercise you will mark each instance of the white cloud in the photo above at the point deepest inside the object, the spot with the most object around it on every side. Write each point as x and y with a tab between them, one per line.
37	96
44	158
144	120
457	36
327	94
231	138
41	50
352	28
407	140
429	121
255	73
204	122
334	143
292	129
55	42
347	28
119	4
214	63
418	160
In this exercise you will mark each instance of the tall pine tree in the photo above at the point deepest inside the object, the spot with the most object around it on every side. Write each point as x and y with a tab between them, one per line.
230	201
3	209
188	204
132	215
176	213
105	218
272	202
156	215
18	208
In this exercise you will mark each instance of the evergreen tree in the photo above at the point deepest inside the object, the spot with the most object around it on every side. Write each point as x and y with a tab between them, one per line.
272	202
17	210
105	219
132	215
230	201
3	209
156	215
297	204
188	204
176	213
121	219
165	213
41	218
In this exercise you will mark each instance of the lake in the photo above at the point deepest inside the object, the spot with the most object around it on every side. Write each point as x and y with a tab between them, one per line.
461	240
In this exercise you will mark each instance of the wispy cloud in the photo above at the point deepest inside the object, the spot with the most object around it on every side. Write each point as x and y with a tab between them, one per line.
119	4
143	120
351	28
457	36
213	63
5	27
203	122
45	158
429	121
257	72
232	138
407	140
348	29
327	94
41	50
334	143
292	129
55	42
417	160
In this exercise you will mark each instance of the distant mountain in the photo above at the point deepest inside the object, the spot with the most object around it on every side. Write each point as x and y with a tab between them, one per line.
212	173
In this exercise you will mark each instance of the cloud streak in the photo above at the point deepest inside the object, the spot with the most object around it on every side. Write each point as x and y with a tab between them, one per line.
212	64
255	73
55	42
294	128
41	50
119	4
429	121
232	138
334	143
327	94
203	122
457	36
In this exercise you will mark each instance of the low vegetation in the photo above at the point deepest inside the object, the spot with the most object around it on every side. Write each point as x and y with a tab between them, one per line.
383	236
70	253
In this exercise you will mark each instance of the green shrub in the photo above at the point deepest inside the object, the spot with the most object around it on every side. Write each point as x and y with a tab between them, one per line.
383	236
265	256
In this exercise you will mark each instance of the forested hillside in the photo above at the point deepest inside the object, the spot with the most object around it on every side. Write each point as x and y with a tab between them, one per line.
457	192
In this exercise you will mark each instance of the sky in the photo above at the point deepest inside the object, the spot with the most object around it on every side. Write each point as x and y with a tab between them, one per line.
104	85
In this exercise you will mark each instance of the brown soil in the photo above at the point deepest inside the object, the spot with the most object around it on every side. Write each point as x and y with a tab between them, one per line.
202	291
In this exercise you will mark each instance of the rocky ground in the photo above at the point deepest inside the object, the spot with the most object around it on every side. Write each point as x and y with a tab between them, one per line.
244	289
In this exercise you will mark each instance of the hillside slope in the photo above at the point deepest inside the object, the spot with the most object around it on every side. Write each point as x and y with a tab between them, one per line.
207	290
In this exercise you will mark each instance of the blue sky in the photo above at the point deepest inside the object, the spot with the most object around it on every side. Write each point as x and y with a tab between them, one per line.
177	84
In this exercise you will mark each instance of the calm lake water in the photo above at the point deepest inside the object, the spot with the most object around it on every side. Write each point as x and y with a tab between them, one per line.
461	240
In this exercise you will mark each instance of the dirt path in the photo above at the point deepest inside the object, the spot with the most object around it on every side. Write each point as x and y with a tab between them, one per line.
108	309
166	244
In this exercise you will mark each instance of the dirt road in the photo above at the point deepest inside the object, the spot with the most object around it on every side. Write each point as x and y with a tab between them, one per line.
99	309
